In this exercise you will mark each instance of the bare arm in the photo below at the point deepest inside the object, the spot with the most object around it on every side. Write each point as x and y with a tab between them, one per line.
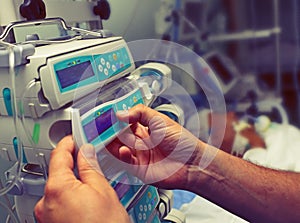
254	193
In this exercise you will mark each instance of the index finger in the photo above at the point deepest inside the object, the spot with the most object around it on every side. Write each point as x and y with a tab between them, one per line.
61	161
140	113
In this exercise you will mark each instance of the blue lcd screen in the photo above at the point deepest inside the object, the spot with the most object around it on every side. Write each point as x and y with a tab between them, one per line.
74	74
122	186
99	125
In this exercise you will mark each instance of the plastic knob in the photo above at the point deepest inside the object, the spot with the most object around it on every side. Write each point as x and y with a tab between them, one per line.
102	9
33	9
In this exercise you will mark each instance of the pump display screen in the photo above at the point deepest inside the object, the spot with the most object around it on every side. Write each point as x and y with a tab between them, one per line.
100	124
124	189
74	74
122	186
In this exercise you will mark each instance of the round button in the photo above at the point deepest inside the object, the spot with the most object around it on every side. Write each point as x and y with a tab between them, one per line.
105	71
141	207
115	56
145	208
113	67
144	216
107	65
102	61
149	207
140	216
100	68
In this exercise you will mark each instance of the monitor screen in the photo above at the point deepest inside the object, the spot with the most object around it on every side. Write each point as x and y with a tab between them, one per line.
99	125
74	74
122	186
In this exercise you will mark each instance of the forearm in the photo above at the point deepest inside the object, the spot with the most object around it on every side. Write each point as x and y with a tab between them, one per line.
255	193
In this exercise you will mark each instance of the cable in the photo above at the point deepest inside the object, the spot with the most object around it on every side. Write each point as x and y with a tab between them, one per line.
11	215
297	50
7	188
10	48
137	5
254	27
23	120
5	196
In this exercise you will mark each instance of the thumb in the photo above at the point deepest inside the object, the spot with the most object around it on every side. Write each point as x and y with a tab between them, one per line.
88	167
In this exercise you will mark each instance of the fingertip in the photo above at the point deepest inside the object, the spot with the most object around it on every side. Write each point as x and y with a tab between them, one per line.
139	113
61	158
88	151
125	154
66	139
122	114
66	143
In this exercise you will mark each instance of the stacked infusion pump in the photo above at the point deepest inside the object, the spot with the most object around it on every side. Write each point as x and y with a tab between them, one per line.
75	85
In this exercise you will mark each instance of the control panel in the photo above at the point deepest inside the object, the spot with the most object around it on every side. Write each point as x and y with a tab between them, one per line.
68	76
144	210
86	70
99	126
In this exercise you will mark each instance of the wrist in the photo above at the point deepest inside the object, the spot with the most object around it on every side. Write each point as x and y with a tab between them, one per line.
204	170
194	174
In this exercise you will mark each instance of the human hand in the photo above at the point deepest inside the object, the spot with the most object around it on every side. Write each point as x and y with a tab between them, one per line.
156	149
68	199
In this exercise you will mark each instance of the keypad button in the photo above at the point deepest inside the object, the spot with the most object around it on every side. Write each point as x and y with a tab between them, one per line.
140	216
106	72
100	68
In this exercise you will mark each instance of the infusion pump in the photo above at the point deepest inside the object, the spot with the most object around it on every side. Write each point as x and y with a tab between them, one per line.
72	86
53	78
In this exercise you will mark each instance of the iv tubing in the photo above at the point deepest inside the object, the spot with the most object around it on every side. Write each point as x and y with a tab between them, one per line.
10	48
11	215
